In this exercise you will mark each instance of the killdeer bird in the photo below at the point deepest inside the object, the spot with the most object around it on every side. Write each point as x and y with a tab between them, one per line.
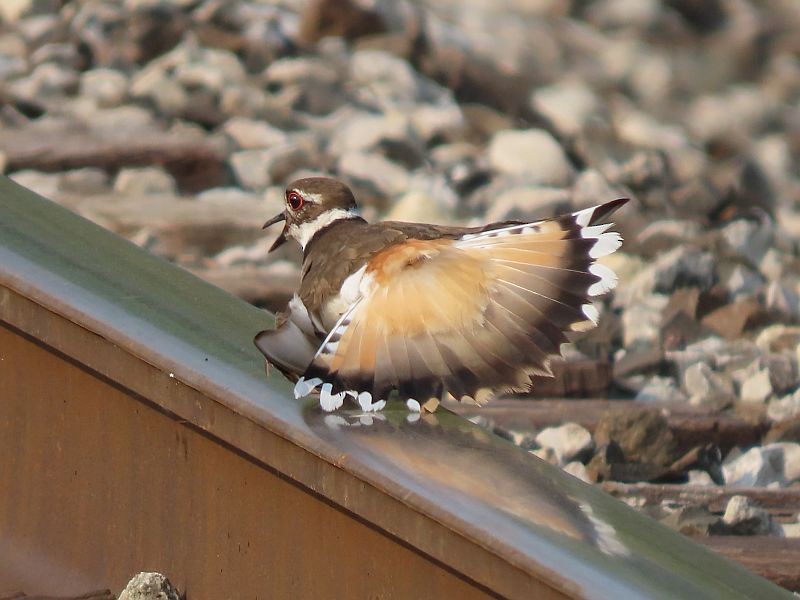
425	310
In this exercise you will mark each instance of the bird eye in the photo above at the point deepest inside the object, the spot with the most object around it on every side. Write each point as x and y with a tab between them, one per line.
295	200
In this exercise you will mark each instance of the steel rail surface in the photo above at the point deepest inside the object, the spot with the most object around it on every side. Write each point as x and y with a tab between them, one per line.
172	357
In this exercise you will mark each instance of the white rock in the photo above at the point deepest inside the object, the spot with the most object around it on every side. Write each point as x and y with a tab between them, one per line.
168	96
429	120
757	388
142	181
641	321
363	132
567	441
533	153
785	408
700	478
791	460
149	586
577	469
250	134
660	389
567	105
546	454
108	87
385	176
707	388
758	467
44	184
746	518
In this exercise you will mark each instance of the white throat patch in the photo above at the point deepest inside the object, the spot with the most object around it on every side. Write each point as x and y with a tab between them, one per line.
305	231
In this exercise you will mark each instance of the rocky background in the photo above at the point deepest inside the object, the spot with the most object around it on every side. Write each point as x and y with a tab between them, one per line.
177	123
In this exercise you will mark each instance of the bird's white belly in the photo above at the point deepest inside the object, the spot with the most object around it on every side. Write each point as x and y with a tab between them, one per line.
352	290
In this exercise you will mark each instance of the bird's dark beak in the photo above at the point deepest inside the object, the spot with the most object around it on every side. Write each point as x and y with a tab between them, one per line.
282	237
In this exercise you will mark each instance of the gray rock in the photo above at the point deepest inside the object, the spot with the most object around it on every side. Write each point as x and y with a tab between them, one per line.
641	321
783	372
707	388
362	132
743	282
779	338
381	80
385	177
744	518
251	134
591	188
527	203
758	467
785	408
210	69
144	181
791	460
167	95
87	181
568	105
149	586
256	169
569	442
782	300
46	80
685	266
431	120
107	87
533	153
749	239
660	389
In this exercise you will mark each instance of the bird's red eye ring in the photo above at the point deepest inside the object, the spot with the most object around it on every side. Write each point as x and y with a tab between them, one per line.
295	201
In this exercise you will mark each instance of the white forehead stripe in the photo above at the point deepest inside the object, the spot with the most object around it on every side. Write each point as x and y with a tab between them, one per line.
303	232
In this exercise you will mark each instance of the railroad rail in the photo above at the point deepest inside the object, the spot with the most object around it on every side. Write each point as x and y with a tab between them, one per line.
138	432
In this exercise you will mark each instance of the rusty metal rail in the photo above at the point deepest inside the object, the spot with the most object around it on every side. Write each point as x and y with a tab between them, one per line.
137	431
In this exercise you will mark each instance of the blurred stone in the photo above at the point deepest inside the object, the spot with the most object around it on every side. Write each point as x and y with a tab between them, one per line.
782	368
382	175
591	188
526	203
660	389
363	132
731	320
779	338
643	436
707	388
786	429
149	586
744	518
533	153
748	238
685	266
256	169
641	321
164	92
85	181
567	105
758	467
699	478
107	87
785	408
250	134
782	301
602	464
757	388
691	520
44	184
743	282
569	442
791	460
577	469
144	181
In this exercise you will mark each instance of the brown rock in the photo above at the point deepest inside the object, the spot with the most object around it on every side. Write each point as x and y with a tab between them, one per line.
643	435
731	320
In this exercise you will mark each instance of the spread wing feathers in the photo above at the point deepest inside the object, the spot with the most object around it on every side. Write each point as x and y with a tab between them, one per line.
291	346
470	316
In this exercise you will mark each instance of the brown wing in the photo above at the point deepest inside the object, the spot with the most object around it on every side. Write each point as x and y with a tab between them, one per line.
471	316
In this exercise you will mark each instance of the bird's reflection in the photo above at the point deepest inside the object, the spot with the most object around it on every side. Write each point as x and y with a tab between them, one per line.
457	465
